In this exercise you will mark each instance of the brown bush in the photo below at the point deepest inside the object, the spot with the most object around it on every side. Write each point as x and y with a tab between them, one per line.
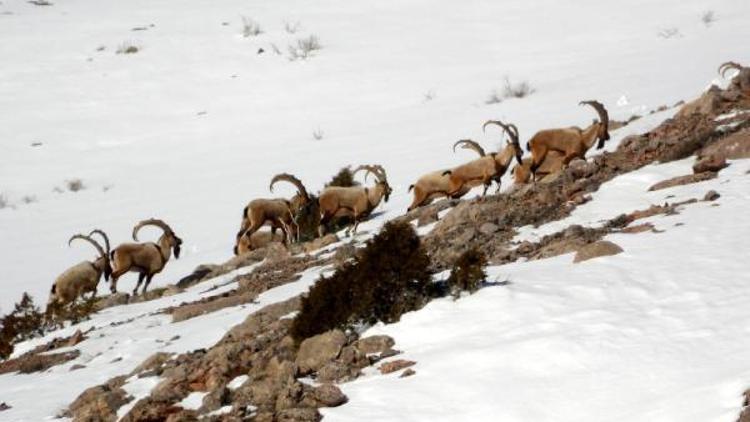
390	277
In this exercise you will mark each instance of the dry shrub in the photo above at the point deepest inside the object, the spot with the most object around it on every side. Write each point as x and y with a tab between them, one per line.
390	277
344	178
467	273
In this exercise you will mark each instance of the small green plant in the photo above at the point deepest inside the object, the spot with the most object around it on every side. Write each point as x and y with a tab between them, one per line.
467	273
390	277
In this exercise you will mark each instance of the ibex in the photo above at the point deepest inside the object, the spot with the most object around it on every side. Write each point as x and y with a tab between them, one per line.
741	80
147	259
571	142
81	278
356	202
486	169
437	184
279	213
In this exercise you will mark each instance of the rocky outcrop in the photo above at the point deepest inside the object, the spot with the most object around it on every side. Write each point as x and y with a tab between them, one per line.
597	249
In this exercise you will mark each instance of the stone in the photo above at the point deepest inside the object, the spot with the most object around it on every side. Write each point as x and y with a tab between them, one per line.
374	344
320	242
407	373
711	195
395	365
580	168
427	216
639	228
733	147
710	163
489	229
5	406
683	180
76	367
328	395
151	363
304	414
316	351
76	338
114	299
99	403
596	249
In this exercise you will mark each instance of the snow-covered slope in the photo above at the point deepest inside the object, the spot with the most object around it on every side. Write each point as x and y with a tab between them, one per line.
657	333
134	124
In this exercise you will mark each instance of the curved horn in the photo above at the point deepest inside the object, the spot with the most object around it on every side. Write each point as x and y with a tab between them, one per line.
291	179
90	240
600	110
369	170
469	144
380	171
104	236
727	66
510	129
151	222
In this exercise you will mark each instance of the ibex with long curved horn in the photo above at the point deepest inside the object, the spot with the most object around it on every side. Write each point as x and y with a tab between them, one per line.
356	202
81	278
436	184
147	259
279	213
486	169
572	142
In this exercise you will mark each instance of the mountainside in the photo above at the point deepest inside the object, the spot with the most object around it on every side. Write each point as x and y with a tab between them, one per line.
211	101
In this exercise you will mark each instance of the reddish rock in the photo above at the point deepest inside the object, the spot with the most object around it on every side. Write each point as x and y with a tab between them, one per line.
711	163
395	365
683	180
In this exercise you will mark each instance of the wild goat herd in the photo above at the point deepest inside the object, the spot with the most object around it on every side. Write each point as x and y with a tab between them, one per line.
551	150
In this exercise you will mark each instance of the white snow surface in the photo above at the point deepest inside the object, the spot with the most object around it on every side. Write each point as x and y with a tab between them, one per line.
193	126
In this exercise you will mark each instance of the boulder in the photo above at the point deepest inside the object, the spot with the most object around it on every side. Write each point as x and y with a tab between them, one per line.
304	414
712	163
580	168
683	180
395	365
407	373
711	195
374	344
732	147
316	351
320	242
328	395
597	249
114	299
427	216
99	403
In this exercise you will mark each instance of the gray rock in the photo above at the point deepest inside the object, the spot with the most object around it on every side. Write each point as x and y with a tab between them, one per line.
328	395
374	344
318	350
597	249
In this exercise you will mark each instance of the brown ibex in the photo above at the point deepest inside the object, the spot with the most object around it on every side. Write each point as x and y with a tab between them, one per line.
81	278
147	259
571	142
486	169
356	202
436	184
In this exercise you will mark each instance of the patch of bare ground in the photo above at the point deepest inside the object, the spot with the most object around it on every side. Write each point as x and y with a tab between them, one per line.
40	358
